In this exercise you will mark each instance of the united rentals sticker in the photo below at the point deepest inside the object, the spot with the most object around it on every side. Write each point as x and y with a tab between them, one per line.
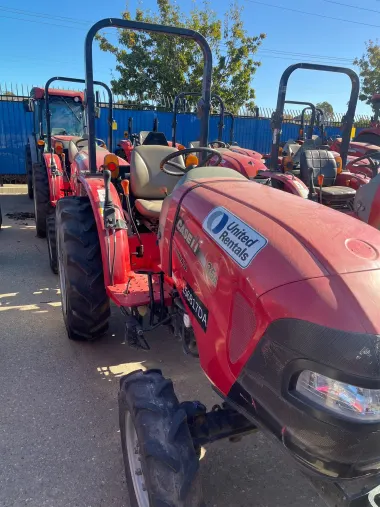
196	306
236	238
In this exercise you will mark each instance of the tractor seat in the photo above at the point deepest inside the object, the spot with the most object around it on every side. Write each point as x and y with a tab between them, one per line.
194	144
316	162
73	150
148	182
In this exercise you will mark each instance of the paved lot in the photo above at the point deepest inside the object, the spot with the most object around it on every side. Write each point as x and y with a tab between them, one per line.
59	439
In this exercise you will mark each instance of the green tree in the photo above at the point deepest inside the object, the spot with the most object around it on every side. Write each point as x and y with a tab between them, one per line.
158	66
327	109
369	65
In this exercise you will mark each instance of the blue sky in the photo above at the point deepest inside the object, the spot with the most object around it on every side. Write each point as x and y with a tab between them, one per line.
34	48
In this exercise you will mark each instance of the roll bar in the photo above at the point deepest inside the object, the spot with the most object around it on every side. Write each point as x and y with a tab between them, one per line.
75	80
278	114
230	115
312	119
146	27
180	96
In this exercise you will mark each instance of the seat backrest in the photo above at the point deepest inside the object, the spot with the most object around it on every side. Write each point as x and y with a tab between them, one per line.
320	162
194	144
308	144
147	180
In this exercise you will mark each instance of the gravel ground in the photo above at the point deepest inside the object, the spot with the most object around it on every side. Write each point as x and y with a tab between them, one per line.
59	435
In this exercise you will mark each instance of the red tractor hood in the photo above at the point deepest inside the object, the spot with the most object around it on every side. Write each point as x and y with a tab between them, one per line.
276	239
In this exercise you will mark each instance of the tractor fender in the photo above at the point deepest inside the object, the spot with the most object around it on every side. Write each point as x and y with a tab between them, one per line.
54	170
33	148
291	184
94	188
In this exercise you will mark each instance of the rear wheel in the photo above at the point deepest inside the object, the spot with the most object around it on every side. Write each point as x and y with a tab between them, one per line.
85	304
28	170
161	466
41	198
51	240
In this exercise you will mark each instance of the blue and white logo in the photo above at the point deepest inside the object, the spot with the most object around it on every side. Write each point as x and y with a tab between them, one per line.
236	238
216	221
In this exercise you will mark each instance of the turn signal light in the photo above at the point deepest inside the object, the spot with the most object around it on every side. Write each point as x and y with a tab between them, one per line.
111	162
41	142
180	146
191	160
339	164
58	148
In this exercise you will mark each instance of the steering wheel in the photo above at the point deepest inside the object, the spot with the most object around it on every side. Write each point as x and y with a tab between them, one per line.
182	170
372	164
217	144
85	140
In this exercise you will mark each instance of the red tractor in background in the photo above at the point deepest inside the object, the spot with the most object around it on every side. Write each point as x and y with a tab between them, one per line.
324	173
131	140
61	119
367	142
249	279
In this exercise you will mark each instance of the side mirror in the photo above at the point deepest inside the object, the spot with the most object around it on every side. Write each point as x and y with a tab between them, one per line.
28	105
97	112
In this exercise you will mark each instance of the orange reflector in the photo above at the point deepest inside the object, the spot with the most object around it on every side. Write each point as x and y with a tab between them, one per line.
180	146
125	185
280	150
58	148
339	164
111	162
41	142
191	160
320	179
348	183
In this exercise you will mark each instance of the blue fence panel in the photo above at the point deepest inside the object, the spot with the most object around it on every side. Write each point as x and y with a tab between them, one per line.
253	133
15	126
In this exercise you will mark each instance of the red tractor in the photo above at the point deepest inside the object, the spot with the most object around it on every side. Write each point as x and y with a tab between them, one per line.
278	297
60	117
322	171
131	140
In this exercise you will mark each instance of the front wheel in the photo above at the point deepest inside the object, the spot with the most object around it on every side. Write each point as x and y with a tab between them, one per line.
85	304
161	465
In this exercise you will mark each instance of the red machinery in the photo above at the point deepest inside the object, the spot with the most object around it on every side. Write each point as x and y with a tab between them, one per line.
60	115
131	140
277	296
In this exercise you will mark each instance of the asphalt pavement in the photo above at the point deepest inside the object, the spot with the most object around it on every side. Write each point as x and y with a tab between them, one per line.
59	434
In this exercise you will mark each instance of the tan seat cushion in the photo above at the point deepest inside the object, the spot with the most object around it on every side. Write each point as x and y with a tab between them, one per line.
338	191
149	209
146	178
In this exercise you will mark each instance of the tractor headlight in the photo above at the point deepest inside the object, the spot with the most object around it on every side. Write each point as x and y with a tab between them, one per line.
352	402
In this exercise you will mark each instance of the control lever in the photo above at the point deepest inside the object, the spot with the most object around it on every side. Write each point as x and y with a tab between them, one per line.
109	214
321	177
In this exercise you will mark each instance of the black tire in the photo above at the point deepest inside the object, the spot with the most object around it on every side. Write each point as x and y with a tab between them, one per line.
29	171
41	198
52	240
169	465
85	304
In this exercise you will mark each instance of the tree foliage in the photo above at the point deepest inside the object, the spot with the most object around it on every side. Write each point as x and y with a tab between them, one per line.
369	65
327	109
159	66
